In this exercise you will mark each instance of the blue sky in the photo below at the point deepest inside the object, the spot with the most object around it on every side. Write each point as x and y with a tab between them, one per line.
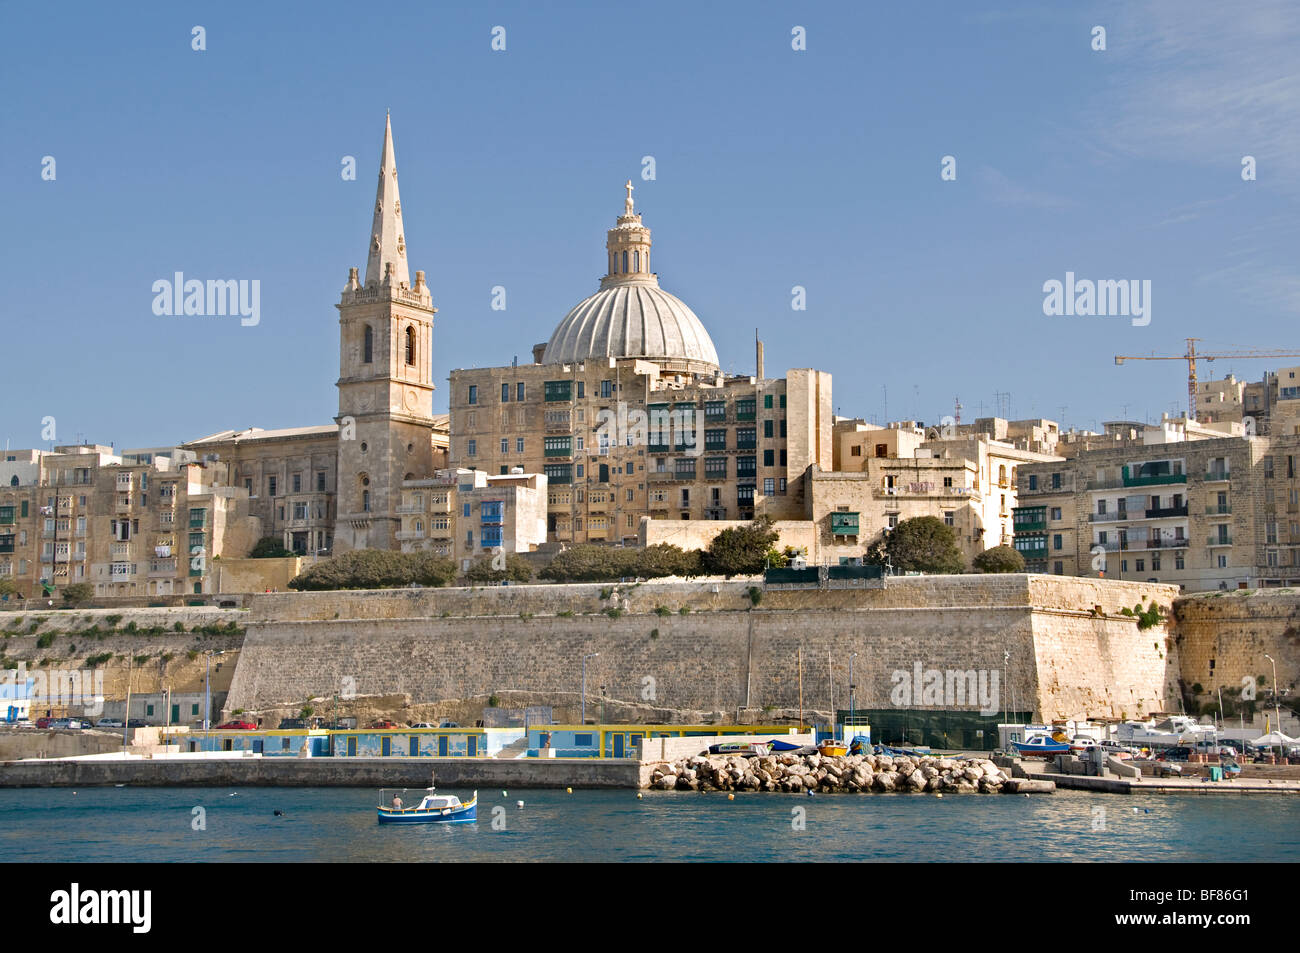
774	168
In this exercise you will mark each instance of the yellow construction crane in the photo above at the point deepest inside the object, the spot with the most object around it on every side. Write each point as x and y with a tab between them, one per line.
1191	358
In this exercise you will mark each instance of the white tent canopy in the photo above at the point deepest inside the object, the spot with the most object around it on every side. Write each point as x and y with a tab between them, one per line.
1272	739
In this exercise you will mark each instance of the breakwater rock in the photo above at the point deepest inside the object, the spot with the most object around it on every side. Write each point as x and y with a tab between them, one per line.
795	773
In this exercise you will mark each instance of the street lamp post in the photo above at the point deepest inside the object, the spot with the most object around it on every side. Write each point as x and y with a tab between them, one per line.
1277	713
207	691
584	685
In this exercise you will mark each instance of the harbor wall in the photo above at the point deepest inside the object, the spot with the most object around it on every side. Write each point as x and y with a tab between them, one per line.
485	773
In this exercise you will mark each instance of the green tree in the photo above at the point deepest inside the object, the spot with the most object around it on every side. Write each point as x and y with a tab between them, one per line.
8	588
269	547
665	559
741	550
923	544
77	592
999	559
517	569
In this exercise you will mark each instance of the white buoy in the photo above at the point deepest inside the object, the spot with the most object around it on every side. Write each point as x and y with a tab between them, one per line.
520	803
503	794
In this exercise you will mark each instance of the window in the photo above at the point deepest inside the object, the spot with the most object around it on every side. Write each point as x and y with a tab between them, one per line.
1033	481
769	485
558	472
607	387
746	438
271	486
519	441
320	481
519	391
767	427
367	345
1056	540
746	408
505	444
582	392
297	483
746	466
767	401
1056	512
559	390
505	393
365	501
715	468
473	393
471	448
410	346
715	410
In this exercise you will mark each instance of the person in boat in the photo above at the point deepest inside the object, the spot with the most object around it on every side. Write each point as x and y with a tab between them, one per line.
397	802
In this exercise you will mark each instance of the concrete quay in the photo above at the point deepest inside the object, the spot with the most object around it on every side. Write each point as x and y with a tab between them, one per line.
587	773
1149	785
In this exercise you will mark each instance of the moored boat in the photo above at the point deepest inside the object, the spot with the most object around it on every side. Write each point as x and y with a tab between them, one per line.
432	809
1042	747
832	748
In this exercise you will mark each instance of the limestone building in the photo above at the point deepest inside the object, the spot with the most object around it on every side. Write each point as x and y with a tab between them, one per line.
142	523
1179	504
627	413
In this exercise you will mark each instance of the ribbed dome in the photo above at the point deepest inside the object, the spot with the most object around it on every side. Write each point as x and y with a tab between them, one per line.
631	318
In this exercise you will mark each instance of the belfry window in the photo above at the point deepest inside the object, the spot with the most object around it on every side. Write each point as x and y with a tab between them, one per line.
625	263
636	261
410	347
367	345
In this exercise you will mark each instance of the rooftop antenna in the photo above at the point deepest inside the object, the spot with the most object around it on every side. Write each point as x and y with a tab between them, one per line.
956	411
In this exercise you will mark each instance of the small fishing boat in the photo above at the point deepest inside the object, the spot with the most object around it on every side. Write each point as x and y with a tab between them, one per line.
831	748
783	746
1041	747
1231	769
748	749
432	809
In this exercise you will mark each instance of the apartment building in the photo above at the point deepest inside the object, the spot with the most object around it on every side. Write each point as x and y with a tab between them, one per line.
136	524
467	514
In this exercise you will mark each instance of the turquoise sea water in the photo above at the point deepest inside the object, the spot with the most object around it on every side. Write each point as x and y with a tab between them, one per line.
338	824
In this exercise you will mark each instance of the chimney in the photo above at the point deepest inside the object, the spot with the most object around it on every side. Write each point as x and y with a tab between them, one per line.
538	351
758	355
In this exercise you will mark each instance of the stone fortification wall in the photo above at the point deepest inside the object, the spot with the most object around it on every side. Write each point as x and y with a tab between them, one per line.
1224	636
726	653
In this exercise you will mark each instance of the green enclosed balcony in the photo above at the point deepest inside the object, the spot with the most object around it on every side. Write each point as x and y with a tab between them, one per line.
1152	479
844	524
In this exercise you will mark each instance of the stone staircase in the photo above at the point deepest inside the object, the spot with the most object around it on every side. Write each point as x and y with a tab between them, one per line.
517	749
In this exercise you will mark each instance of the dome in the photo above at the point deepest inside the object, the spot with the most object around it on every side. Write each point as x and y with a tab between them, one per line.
633	318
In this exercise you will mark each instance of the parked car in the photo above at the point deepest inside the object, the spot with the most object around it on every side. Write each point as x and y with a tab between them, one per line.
447	724
72	723
422	724
136	723
238	726
384	723
109	723
1180	753
44	721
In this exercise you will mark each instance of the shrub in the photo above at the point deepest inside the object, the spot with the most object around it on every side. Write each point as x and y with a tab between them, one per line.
112	620
178	627
77	592
755	595
517	569
999	559
376	569
493	701
613	612
565	614
588	562
684	610
663	611
95	661
45	641
654	633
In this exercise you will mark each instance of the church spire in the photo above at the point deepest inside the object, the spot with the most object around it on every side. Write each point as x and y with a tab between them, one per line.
387	243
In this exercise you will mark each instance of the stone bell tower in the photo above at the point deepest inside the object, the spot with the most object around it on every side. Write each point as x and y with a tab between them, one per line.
385	378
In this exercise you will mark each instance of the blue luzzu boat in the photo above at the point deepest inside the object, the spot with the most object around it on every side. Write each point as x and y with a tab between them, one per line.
1042	746
432	809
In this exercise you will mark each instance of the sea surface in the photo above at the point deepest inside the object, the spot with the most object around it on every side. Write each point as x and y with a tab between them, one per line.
338	824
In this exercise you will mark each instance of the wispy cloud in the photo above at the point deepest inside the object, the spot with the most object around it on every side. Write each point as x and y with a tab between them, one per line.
1205	83
1005	191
